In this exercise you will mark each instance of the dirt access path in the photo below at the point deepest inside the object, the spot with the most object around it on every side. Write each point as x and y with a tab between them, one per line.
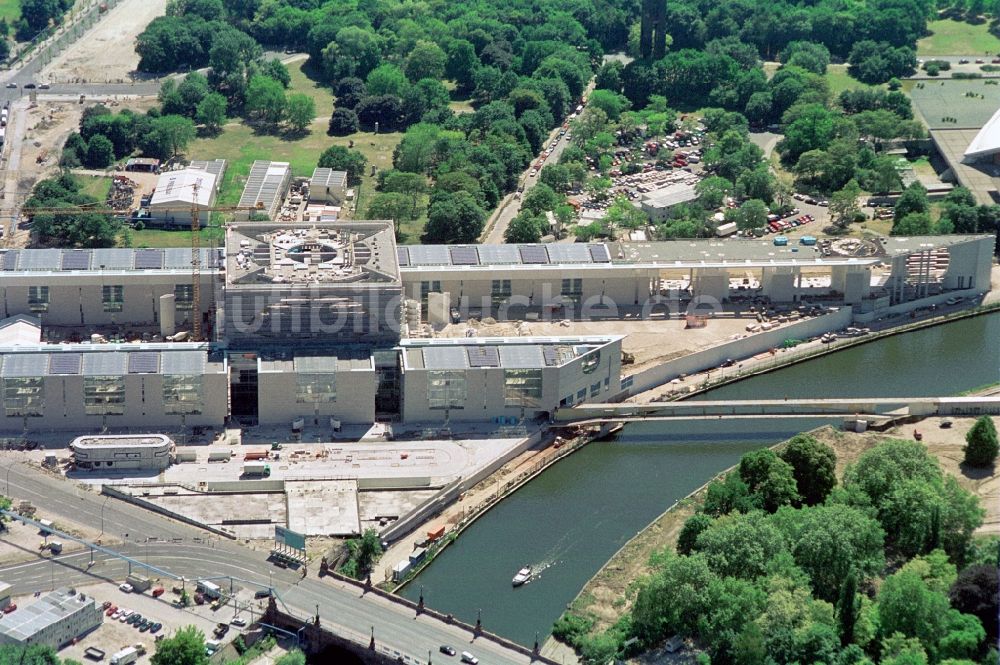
106	53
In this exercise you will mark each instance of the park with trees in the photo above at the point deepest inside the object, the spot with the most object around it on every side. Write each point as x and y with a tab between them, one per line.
784	562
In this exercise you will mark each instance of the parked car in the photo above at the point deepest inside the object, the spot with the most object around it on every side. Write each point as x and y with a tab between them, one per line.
29	86
155	628
239	622
10	608
125	587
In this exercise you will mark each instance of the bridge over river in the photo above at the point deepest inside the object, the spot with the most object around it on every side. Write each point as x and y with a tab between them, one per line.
877	407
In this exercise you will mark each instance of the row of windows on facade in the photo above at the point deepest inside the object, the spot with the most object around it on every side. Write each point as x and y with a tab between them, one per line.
447	389
112	297
501	288
102	395
105	395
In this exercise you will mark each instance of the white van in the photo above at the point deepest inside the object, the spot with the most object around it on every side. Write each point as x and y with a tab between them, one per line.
469	658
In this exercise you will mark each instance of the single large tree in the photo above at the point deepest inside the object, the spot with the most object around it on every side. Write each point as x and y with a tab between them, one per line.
300	111
339	158
814	466
981	446
185	647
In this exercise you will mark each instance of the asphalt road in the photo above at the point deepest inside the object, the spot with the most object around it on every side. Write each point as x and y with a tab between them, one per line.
187	551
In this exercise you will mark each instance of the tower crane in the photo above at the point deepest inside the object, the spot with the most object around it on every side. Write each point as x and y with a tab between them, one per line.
195	211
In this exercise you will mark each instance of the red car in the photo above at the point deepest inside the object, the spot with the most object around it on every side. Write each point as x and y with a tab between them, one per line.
10	608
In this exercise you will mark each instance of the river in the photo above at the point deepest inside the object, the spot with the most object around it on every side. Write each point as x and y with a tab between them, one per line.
569	521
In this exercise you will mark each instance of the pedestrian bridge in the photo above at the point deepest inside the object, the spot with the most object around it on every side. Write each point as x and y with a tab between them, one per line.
886	407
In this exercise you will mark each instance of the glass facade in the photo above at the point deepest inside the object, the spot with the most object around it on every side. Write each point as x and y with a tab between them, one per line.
572	289
38	298
104	395
182	394
501	289
446	389
316	388
23	396
522	387
113	298
183	296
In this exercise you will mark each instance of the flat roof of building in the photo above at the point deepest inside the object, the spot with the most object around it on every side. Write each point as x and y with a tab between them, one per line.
311	253
50	609
142	161
170	259
505	352
323	177
671	195
111	440
717	252
265	184
216	167
178	187
417	256
105	360
341	361
982	178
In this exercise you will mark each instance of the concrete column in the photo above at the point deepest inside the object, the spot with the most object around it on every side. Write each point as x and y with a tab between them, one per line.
168	310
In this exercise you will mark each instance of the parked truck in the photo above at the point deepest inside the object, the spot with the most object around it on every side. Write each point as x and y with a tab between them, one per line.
255	455
139	583
126	656
256	469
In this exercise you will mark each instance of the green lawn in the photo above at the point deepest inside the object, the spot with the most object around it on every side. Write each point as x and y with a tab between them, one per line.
839	80
160	238
320	93
96	186
957	38
10	10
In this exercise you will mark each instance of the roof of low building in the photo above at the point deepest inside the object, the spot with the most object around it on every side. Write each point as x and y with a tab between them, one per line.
46	611
323	177
503	352
180	186
987	141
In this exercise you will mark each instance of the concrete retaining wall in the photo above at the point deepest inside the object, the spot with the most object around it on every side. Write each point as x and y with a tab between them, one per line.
118	494
449	494
907	307
244	486
403	483
737	349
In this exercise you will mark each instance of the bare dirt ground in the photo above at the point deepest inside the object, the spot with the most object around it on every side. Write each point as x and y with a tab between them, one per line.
601	598
106	52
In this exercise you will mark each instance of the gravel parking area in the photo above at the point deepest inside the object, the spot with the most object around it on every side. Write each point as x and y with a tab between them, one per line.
113	636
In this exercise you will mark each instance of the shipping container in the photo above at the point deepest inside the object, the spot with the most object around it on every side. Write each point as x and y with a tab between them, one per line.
435	533
255	455
256	469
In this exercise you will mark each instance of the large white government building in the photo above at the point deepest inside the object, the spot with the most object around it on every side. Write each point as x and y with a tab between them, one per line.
310	321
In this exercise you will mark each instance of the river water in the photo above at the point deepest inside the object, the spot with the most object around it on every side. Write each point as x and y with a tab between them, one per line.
569	521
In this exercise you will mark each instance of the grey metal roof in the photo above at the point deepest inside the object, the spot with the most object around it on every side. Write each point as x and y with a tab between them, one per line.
76	259
429	255
148	259
176	257
265	184
445	357
143	362
52	608
105	364
112	259
483	356
40	259
498	254
315	364
402	256
569	253
65	363
324	177
183	362
521	357
8	261
18	365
